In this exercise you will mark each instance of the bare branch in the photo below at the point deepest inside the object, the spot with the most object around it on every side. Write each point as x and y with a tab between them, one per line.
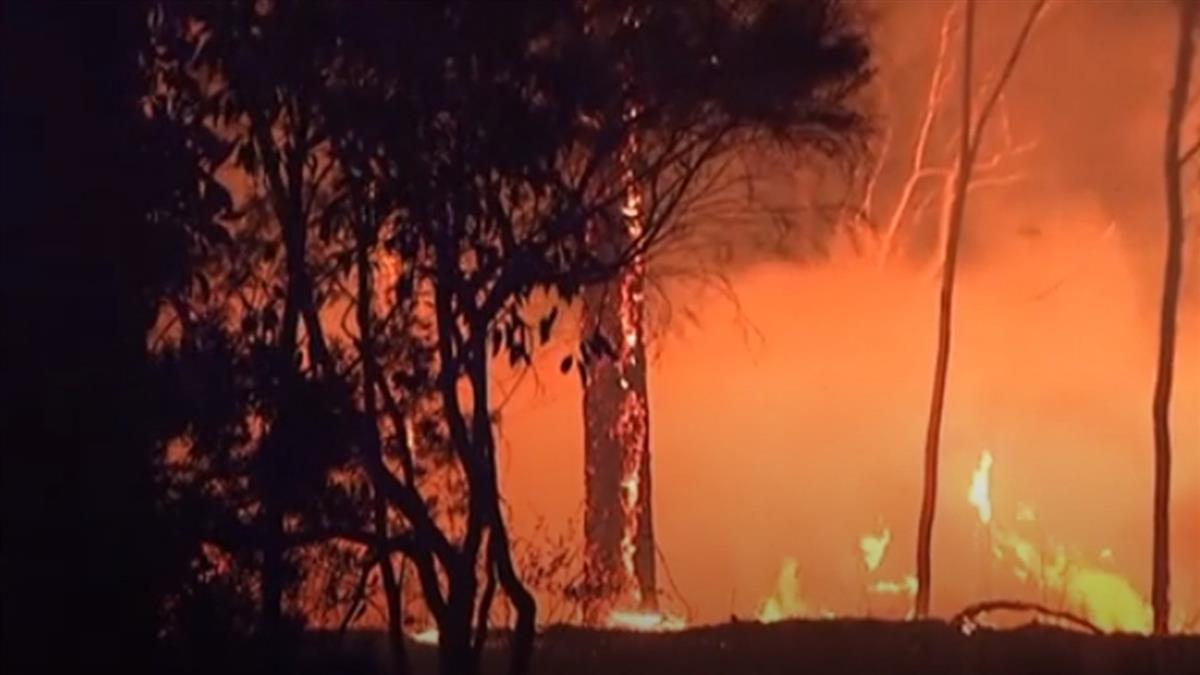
970	614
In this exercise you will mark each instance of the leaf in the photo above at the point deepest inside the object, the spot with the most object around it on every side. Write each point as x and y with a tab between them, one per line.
217	199
566	364
546	325
216	233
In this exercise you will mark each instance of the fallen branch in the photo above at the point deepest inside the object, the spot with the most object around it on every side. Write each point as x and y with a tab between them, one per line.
970	614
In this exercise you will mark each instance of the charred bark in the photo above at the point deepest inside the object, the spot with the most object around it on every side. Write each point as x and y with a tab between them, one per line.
615	397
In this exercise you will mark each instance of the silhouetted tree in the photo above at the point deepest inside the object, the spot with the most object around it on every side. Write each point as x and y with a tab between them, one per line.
266	418
446	162
1174	158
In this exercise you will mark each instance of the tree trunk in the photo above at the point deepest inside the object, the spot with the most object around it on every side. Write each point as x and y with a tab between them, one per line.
521	598
616	434
365	237
1172	273
933	433
499	551
393	594
455	655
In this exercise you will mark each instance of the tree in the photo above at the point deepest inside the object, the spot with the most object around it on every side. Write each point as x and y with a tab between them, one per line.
466	152
1174	158
264	415
925	157
954	204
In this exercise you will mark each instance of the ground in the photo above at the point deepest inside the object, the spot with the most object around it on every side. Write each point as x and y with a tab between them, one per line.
840	646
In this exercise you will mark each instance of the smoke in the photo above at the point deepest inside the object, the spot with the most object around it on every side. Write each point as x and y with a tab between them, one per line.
787	424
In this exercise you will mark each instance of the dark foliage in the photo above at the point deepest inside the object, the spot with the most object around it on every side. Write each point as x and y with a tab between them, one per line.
220	372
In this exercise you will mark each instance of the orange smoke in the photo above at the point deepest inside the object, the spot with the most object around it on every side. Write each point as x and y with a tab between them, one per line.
789	424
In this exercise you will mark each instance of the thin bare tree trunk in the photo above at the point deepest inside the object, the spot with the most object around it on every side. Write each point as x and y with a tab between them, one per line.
393	593
1173	271
365	237
933	432
970	137
524	602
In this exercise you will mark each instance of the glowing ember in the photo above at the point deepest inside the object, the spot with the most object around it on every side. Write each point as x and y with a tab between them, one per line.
648	622
632	421
980	493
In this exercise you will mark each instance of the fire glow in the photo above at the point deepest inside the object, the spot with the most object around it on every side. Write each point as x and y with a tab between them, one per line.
1071	583
1049	376
632	421
1103	596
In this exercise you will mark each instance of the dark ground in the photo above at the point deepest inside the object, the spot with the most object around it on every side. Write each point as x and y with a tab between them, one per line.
821	647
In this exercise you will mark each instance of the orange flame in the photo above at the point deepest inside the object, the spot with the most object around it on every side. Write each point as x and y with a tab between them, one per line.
632	421
1102	596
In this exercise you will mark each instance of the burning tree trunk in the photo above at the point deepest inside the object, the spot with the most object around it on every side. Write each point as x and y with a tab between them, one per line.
954	205
1177	108
618	522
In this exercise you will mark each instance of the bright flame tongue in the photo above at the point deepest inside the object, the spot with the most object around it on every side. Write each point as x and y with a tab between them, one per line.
980	494
785	602
874	548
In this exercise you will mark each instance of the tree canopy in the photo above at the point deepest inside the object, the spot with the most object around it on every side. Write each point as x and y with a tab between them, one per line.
370	196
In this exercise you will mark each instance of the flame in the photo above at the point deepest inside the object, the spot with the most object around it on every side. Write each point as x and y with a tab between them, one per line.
906	586
1102	596
980	493
429	636
632	421
1109	600
645	622
785	602
874	548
